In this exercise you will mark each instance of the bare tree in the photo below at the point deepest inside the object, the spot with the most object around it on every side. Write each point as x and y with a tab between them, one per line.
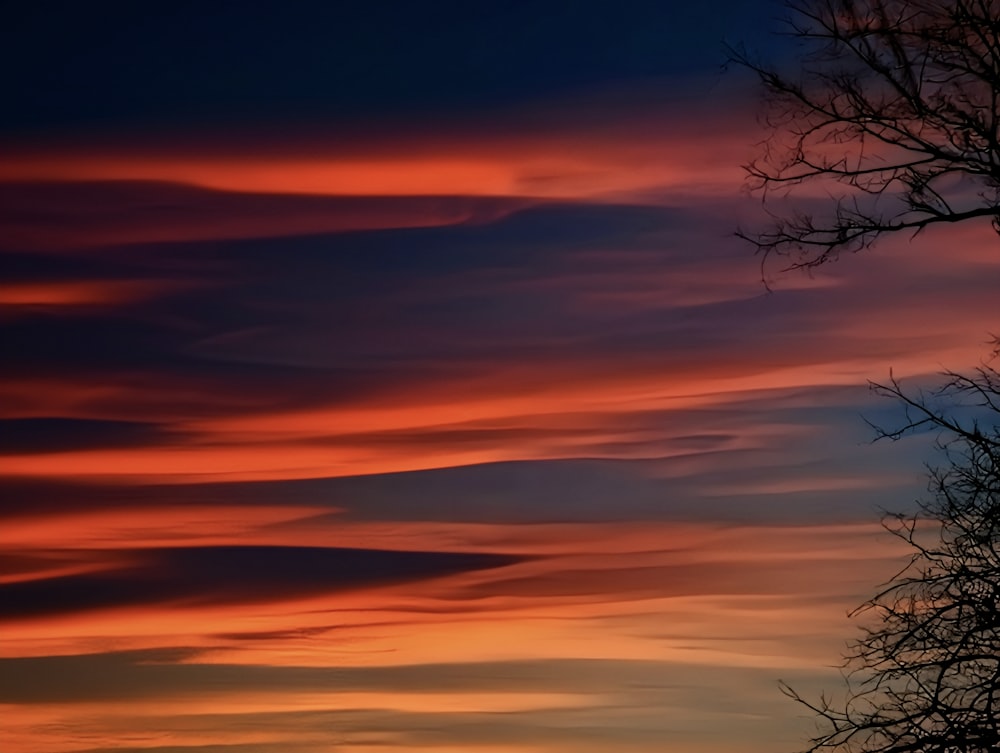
892	123
925	675
893	113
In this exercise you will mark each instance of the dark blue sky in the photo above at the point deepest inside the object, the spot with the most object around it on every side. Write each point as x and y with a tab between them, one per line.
91	64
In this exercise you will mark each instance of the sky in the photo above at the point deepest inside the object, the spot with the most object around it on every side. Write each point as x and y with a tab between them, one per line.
387	377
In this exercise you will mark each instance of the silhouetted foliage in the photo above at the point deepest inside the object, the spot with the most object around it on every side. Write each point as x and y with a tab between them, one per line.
925	675
893	113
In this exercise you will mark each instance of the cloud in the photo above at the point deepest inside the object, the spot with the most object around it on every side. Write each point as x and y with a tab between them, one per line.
479	432
613	461
28	435
175	671
637	702
228	574
654	137
72	216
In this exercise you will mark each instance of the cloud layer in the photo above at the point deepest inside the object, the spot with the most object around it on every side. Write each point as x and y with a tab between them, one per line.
478	439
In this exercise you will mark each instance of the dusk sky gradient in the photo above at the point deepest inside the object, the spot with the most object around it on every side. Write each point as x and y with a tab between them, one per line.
386	377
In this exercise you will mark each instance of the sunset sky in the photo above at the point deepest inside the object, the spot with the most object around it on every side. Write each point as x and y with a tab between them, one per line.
386	377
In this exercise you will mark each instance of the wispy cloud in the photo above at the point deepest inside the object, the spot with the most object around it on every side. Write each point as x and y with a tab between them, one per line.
461	438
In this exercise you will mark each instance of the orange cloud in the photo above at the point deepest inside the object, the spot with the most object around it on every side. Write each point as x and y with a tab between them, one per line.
594	573
687	597
85	292
576	158
445	425
145	525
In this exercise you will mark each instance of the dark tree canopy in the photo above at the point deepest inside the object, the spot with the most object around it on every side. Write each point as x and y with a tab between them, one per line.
893	114
925	675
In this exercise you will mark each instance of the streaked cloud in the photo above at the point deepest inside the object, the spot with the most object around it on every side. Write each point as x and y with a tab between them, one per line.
480	436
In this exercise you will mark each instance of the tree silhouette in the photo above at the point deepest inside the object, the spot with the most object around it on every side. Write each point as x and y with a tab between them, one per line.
925	675
892	119
893	112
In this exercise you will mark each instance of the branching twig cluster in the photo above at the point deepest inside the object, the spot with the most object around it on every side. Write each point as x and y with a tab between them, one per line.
925	675
897	106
